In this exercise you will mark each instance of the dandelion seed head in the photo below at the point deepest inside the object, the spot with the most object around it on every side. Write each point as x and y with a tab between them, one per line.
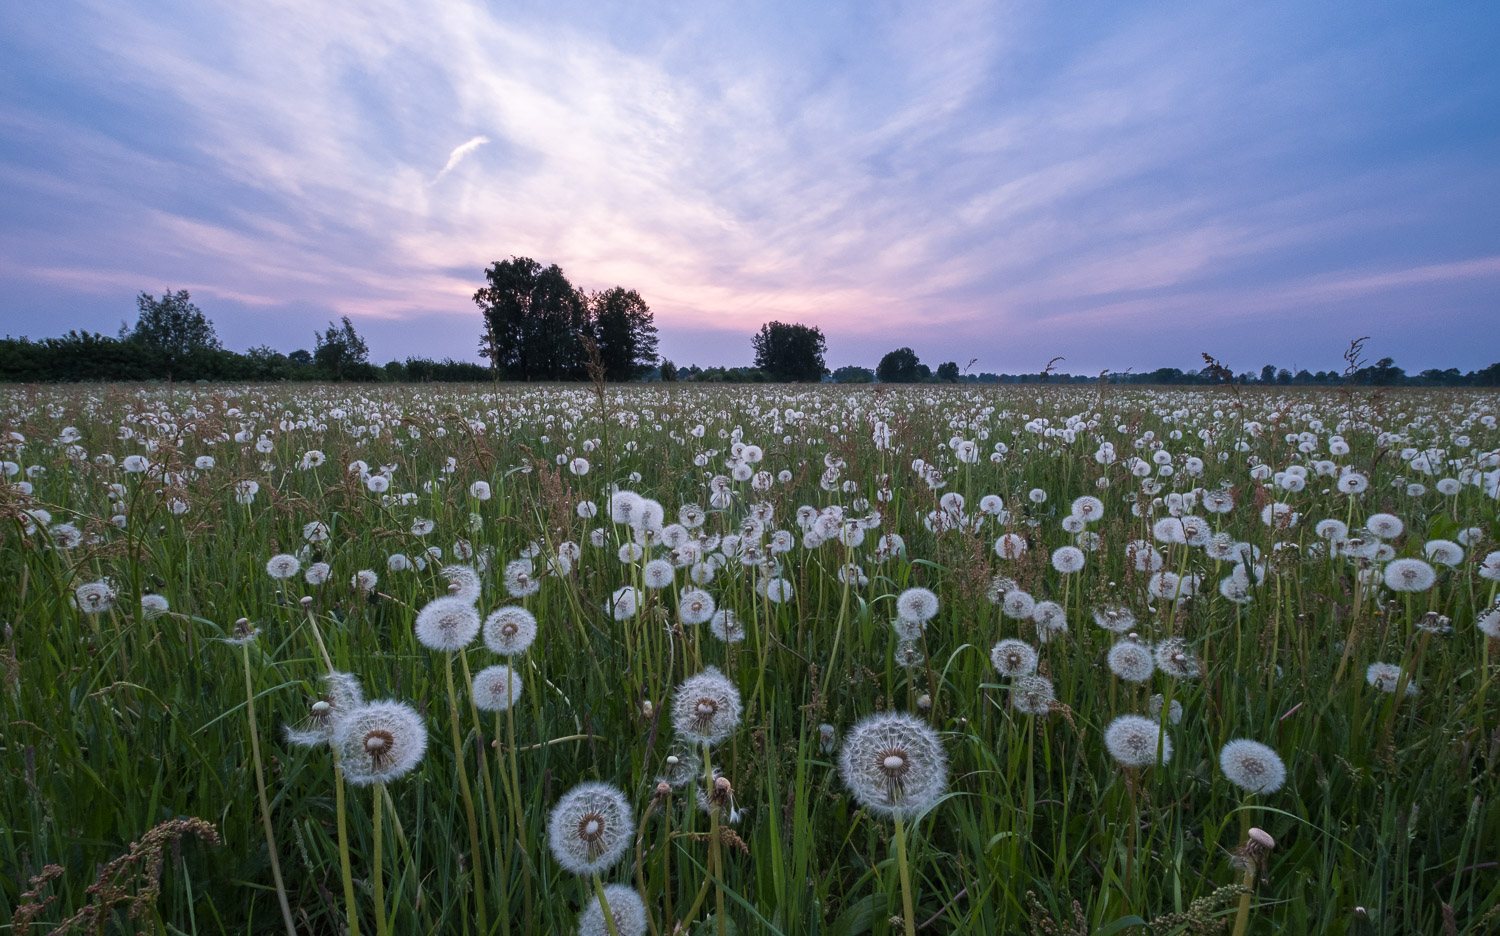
624	905
1409	575
1131	661
1012	658
894	764
380	741
1252	766
1135	741
509	630
95	597
1032	695
496	688
283	566
590	827
706	708
447	624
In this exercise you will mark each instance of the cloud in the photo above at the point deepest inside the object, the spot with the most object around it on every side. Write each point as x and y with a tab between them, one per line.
976	177
458	154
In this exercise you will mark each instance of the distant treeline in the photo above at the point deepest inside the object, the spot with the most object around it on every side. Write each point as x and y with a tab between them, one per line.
539	327
81	356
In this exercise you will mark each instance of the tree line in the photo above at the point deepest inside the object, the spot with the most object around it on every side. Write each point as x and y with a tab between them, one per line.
174	340
538	326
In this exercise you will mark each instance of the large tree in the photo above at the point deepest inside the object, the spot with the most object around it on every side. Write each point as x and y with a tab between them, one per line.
340	350
899	366
172	326
624	331
532	320
790	352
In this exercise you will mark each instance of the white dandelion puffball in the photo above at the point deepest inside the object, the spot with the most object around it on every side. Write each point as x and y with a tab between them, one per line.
726	626
1012	658
657	574
590	827
1174	714
1174	659
1051	620
624	905
318	573
1443	552
1032	695
918	605
496	688
1010	546
153	605
379	742
316	532
695	607
283	566
1088	509
1067	559
1131	661
448	624
778	590
467	581
706	708
623	604
1384	525
1387	676
894	764
341	695
1490	567
1133	741
1489	623
95	597
1409	575
509	630
1252	766
480	490
1115	618
1017	604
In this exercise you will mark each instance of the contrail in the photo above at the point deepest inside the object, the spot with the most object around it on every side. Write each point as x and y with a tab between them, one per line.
458	154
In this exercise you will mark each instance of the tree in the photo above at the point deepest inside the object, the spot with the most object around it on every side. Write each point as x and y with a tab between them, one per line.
790	352
1268	374
301	356
621	324
1385	373
851	373
532	319
173	327
668	371
899	366
340	349
948	371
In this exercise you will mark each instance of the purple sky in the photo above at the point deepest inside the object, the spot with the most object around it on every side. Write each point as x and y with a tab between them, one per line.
1122	184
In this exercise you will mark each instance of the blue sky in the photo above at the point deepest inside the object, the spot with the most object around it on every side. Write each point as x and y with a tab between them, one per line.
1122	184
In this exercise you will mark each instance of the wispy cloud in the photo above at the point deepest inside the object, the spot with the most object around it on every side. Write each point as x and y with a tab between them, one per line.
985	169
458	154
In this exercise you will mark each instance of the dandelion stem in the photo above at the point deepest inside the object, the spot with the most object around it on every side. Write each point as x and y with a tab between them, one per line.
609	918
377	874
477	857
640	861
260	789
343	830
908	913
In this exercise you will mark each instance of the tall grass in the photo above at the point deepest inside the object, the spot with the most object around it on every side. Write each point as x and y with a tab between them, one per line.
116	723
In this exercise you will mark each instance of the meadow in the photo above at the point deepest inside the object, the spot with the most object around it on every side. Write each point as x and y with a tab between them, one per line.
773	659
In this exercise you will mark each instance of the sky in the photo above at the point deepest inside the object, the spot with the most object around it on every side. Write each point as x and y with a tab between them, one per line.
1124	185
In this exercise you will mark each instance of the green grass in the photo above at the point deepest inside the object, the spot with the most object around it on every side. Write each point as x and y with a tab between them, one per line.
116	723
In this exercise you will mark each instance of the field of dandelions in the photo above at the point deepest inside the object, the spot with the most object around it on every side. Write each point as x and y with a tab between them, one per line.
574	659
